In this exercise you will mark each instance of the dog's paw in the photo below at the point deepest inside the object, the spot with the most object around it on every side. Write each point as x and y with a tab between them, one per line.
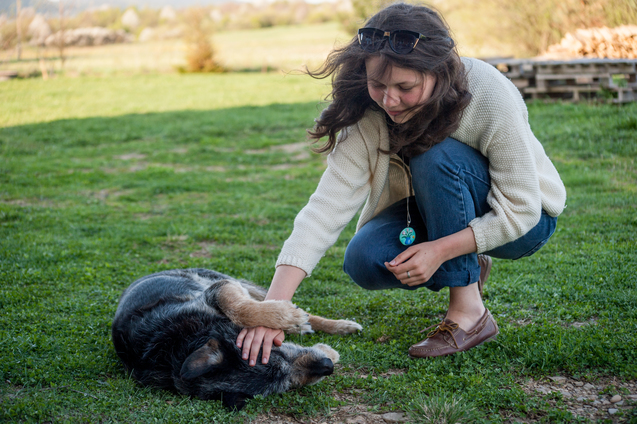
331	353
306	329
301	329
344	326
286	316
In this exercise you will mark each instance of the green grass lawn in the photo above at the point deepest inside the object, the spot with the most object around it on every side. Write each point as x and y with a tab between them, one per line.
104	180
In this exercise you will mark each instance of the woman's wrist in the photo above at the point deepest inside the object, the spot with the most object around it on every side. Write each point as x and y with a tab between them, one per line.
461	243
285	281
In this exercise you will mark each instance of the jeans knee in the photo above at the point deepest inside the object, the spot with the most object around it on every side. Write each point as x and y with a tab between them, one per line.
361	266
434	162
354	262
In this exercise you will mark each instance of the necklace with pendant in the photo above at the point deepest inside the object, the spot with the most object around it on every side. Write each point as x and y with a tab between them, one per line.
407	235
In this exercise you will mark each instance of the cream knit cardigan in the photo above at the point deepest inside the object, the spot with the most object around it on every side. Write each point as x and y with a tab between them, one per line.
523	179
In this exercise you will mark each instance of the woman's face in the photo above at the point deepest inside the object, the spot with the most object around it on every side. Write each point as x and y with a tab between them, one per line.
399	91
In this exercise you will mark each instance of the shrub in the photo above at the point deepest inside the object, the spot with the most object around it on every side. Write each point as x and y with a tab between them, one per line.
8	35
199	50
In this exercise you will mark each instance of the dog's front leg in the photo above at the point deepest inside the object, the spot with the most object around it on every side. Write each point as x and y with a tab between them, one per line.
231	299
334	326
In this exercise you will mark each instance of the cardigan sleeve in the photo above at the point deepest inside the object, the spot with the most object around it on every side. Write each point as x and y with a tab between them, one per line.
342	190
496	123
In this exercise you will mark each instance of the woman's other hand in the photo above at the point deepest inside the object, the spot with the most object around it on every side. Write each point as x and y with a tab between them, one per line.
417	264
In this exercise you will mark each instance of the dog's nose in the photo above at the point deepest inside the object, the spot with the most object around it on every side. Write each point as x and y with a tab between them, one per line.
323	367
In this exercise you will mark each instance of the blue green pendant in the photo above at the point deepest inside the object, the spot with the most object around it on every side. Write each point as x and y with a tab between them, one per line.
407	236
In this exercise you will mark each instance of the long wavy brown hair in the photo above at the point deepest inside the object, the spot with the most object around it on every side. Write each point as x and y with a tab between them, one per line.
435	120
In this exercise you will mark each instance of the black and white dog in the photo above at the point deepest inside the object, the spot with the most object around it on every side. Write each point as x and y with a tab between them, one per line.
177	330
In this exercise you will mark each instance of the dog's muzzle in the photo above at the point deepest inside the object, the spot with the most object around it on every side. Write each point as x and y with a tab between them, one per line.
322	367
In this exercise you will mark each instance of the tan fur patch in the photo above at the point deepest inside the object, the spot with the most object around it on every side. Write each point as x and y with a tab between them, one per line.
246	312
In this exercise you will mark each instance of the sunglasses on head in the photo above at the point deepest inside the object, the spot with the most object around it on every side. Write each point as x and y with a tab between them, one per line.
401	41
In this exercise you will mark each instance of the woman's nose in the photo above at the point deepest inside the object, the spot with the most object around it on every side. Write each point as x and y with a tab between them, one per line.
389	99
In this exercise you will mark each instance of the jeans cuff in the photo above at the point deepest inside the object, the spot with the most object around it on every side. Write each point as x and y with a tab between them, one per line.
454	278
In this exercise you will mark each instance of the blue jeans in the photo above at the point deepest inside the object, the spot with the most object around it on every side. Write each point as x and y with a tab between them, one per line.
451	182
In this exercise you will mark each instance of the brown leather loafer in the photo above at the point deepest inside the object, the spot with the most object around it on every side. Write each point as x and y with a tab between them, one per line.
485	263
448	338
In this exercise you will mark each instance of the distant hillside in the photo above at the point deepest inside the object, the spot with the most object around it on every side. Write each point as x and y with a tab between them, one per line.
49	7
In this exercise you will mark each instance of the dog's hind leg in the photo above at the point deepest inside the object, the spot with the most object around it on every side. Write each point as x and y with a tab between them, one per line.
235	302
333	326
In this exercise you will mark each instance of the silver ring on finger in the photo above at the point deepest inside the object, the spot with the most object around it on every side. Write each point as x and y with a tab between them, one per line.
408	275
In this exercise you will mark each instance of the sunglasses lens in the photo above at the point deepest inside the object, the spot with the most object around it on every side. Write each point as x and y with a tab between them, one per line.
403	42
371	40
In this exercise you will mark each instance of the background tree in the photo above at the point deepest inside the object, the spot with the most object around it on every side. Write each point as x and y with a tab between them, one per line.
60	40
363	10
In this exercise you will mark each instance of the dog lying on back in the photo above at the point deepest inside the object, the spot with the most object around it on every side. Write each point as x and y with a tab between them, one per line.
177	330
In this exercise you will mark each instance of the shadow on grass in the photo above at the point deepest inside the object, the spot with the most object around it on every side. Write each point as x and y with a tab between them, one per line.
178	127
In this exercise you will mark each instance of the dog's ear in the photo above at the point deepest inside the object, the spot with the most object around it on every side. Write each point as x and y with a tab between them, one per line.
234	401
200	361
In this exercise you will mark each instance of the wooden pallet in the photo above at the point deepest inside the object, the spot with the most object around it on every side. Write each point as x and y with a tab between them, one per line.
574	80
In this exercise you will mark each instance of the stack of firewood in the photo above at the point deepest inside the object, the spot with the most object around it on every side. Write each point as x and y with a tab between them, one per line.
611	43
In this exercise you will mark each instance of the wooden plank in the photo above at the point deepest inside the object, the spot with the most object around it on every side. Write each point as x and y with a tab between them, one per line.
521	82
586	68
572	79
573	76
626	95
566	89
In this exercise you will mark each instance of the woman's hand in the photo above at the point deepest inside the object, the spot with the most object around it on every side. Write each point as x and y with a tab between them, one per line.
421	261
250	341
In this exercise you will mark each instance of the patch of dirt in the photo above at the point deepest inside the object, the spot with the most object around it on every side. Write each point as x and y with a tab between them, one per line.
32	202
350	414
206	247
364	373
286	148
139	167
608	399
292	147
353	412
131	156
107	193
577	324
300	151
